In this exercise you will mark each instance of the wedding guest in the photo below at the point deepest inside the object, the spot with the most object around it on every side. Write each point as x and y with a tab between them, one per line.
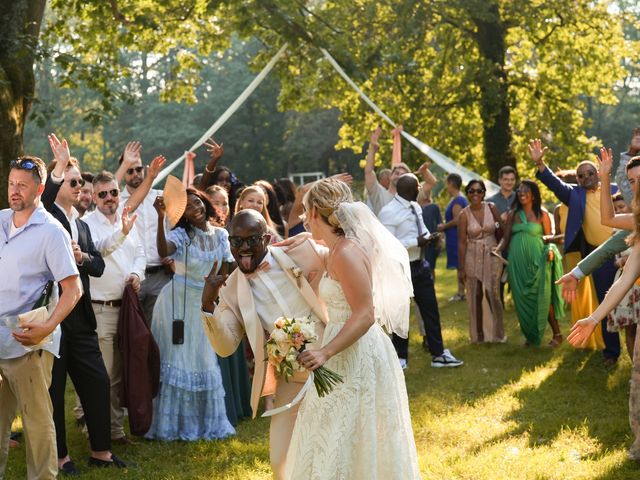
254	198
533	266
585	300
450	229
215	174
286	191
378	195
117	240
584	230
34	250
85	203
219	198
272	206
80	355
403	218
190	404
139	180
481	269
432	217
504	198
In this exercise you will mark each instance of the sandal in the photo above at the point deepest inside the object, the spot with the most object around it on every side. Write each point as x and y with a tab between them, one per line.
556	341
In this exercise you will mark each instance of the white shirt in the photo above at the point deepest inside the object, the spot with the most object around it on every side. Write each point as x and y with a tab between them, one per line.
123	255
397	216
378	197
72	220
275	296
146	223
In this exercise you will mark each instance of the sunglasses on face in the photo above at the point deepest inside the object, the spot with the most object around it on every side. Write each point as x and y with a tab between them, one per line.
75	182
25	165
252	241
135	169
103	194
473	191
590	173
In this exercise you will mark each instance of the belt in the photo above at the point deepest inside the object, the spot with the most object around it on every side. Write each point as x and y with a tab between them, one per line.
154	269
108	303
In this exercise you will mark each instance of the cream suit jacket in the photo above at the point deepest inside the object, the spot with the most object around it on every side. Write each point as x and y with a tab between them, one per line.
236	314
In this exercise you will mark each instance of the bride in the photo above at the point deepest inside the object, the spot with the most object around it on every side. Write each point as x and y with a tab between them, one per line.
362	429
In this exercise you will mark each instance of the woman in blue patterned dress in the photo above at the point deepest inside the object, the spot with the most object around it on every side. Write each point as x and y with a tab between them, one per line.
191	402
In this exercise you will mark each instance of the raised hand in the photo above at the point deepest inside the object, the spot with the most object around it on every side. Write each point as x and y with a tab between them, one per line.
569	287
212	284
343	177
581	331
154	168
60	150
606	162
215	151
375	136
537	151
127	221
131	153
159	205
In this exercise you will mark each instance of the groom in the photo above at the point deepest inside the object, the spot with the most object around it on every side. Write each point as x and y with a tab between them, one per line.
267	284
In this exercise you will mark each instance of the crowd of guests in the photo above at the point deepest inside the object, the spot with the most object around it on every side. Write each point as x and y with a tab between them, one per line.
113	234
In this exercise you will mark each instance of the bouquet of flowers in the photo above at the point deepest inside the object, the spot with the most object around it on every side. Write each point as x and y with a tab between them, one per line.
287	340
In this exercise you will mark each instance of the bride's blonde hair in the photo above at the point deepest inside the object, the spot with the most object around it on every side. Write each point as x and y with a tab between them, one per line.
326	195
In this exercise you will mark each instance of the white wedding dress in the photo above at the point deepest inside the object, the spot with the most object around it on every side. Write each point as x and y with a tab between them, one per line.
362	429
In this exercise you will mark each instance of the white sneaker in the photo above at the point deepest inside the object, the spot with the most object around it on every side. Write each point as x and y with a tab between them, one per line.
403	363
445	360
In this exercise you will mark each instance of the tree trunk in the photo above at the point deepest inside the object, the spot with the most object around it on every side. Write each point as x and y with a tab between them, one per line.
494	102
20	22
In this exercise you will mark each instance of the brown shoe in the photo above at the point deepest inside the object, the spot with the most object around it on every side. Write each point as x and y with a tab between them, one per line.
123	441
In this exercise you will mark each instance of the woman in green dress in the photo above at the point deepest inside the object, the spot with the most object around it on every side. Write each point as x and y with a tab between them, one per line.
534	266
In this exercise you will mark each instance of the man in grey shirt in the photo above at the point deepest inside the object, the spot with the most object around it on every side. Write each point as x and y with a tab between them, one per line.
503	200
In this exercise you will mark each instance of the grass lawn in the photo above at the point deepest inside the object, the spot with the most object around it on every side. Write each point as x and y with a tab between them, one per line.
509	413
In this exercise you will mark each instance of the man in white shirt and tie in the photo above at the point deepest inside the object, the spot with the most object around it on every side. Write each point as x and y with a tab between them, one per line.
403	218
267	284
114	237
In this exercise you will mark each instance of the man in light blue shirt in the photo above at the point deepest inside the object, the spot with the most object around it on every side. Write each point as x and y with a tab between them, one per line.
34	249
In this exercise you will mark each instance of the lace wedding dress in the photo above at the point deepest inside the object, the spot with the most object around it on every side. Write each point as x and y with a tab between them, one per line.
362	429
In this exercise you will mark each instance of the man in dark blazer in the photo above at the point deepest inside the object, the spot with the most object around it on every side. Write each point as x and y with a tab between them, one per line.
80	354
583	232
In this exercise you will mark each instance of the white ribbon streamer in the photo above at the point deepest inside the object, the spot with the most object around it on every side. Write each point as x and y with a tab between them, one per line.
447	164
293	402
227	114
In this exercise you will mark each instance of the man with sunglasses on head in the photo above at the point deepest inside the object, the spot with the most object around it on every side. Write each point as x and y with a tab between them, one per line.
270	282
584	231
116	238
80	354
34	250
138	183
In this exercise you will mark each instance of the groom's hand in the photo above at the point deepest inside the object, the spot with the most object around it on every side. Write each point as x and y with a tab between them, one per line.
212	284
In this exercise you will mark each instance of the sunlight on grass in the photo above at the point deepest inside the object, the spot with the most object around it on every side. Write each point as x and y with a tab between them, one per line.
510	413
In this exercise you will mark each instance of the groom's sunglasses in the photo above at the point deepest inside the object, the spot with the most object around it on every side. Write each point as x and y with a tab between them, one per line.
252	241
